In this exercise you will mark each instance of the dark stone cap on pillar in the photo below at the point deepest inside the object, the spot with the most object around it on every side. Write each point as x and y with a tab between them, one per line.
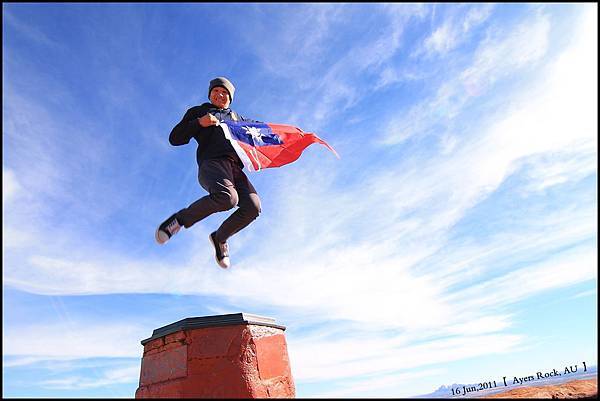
212	321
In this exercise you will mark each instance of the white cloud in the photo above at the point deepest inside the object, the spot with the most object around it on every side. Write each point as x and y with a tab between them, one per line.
473	258
27	30
442	40
391	383
66	348
12	191
32	145
53	166
575	266
551	169
390	75
336	80
335	359
69	339
22	361
476	16
555	116
348	282
10	186
586	294
109	377
497	57
454	31
503	54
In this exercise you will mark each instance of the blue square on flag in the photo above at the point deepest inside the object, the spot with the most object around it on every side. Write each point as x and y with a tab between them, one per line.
254	134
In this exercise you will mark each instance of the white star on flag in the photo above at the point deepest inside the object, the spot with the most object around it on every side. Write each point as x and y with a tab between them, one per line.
254	132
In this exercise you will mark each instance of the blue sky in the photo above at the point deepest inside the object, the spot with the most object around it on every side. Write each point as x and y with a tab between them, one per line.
454	241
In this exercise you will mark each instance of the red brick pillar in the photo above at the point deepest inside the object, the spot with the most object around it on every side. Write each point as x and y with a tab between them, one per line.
226	356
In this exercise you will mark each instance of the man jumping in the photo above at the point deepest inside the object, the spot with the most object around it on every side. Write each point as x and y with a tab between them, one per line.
219	172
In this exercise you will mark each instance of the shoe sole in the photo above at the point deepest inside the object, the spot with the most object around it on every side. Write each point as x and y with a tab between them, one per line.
221	263
161	237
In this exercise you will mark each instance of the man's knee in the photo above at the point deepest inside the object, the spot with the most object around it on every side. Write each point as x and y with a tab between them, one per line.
253	207
225	199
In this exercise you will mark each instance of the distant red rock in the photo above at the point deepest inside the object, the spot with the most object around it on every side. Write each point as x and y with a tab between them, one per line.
576	389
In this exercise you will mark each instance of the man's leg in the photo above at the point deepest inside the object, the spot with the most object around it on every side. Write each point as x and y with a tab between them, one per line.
216	177
248	207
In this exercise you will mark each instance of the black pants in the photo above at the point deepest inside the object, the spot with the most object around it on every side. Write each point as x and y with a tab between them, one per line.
227	187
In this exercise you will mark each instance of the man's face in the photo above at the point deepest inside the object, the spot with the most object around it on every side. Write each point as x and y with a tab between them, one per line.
219	97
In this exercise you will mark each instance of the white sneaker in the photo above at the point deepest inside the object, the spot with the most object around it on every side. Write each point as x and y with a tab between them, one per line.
221	251
167	229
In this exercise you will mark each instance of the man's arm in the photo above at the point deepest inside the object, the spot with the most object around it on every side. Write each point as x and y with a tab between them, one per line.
187	127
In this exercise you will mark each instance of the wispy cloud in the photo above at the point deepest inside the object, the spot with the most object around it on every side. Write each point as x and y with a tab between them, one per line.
390	382
572	267
333	80
44	164
130	374
27	30
588	293
551	169
453	31
70	339
498	56
335	361
10	185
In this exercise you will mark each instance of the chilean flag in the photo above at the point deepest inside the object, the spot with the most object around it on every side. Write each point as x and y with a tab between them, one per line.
261	145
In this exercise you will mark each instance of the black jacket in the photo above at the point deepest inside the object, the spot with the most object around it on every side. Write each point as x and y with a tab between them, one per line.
212	144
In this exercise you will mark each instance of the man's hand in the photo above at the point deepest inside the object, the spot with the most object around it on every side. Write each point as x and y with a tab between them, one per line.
208	120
